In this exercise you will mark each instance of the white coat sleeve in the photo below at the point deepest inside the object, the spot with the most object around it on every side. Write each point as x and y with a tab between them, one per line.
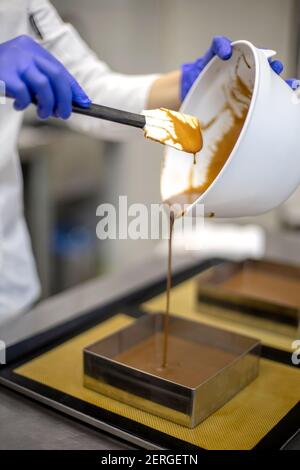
103	86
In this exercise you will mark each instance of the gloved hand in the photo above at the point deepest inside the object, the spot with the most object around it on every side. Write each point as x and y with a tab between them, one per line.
30	73
221	47
293	83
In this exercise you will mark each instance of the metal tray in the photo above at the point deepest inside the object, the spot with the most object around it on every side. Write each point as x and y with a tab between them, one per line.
206	367
262	288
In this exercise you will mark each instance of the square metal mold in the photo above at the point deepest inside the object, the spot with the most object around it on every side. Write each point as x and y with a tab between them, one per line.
206	367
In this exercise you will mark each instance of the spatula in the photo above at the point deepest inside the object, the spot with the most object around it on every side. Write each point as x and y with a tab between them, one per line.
175	129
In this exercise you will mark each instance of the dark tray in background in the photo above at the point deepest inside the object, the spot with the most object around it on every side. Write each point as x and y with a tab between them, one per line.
257	287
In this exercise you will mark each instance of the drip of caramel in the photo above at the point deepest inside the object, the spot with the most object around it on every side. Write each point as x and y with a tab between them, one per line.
223	149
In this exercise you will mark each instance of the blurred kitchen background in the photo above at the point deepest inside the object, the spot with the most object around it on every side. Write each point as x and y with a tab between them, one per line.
67	175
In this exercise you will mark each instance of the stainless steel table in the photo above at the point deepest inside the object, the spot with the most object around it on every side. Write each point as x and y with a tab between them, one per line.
26	424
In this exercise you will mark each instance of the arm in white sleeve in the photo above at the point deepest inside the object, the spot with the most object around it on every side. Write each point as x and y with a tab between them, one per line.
103	86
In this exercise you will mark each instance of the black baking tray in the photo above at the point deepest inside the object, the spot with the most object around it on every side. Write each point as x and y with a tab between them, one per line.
125	428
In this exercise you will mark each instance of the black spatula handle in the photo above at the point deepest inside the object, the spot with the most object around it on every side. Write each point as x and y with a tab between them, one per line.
108	114
111	114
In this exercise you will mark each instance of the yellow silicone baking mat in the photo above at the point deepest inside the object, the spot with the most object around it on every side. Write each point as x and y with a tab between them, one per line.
240	424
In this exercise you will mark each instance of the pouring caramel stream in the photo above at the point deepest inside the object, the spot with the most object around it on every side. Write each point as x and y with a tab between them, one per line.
184	133
169	286
239	93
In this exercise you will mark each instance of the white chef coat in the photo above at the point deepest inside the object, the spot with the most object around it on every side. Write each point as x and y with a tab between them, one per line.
19	285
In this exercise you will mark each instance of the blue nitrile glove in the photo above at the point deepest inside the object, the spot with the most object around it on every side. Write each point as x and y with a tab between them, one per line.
221	47
293	83
31	73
